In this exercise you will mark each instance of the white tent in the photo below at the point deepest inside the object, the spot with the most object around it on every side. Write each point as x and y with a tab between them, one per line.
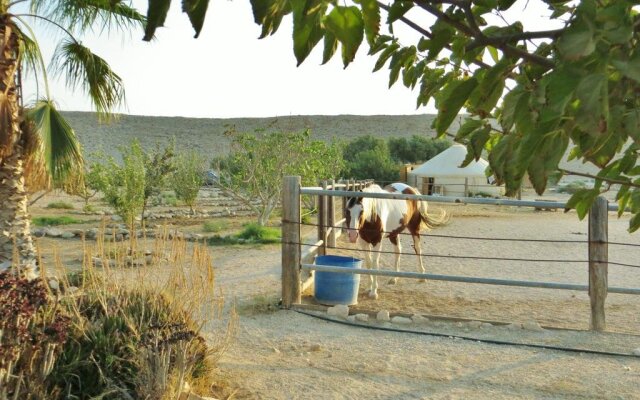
443	175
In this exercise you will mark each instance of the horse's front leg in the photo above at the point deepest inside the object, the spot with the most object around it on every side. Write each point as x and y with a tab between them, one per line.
373	293
418	250
397	248
366	247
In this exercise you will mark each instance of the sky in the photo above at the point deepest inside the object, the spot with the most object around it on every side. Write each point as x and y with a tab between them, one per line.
228	73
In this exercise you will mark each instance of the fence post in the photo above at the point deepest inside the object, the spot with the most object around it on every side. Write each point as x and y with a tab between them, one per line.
598	262
466	187
291	241
322	220
331	213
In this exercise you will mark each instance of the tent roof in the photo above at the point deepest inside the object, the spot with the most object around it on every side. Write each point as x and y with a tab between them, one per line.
447	164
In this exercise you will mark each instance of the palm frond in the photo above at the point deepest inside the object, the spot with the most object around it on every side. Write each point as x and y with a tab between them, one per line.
94	15
32	62
156	15
35	169
60	147
91	73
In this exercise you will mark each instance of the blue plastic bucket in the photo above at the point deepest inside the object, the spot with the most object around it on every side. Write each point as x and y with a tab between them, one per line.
333	288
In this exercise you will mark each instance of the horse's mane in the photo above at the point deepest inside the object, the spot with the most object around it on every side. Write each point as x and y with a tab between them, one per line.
369	205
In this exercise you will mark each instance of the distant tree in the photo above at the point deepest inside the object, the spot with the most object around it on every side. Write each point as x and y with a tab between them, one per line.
188	177
158	166
416	149
367	157
122	184
254	170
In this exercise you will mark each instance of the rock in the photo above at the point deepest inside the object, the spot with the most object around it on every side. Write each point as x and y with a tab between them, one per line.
401	320
339	310
351	318
116	218
474	324
636	352
148	259
486	325
38	232
54	232
362	317
67	235
315	347
54	285
91	233
532	326
514	327
72	289
419	319
383	315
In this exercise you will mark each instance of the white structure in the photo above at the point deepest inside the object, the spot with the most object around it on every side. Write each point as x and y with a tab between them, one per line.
443	175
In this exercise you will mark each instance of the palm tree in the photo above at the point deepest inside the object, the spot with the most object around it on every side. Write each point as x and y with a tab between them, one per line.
38	148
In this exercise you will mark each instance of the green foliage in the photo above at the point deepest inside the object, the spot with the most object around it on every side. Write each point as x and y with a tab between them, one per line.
572	89
123	184
158	166
417	149
572	187
57	220
214	226
258	162
367	157
188	177
251	234
63	205
112	338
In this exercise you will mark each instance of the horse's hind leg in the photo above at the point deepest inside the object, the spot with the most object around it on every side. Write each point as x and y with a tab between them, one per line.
418	250
397	247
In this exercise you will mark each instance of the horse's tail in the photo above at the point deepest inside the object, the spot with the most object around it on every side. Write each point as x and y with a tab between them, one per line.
429	220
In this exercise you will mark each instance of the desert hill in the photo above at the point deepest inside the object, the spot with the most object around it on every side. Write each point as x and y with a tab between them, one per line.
206	135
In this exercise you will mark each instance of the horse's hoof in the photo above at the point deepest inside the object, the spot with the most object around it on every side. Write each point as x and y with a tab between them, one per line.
373	295
393	281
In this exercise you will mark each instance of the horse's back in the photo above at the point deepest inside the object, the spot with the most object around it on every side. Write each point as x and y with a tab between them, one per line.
399	187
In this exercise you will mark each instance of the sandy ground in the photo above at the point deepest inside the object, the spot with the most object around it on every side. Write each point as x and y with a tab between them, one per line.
287	355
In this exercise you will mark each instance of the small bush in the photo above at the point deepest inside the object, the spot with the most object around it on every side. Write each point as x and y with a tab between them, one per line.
61	205
53	221
251	234
571	188
89	208
214	226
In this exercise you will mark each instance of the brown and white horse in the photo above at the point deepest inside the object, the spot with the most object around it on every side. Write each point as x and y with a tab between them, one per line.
369	220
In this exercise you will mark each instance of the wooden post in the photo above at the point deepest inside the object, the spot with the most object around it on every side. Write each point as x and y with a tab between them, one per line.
466	187
291	239
322	220
598	262
331	214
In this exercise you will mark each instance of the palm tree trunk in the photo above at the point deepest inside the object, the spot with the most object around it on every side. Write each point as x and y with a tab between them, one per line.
16	244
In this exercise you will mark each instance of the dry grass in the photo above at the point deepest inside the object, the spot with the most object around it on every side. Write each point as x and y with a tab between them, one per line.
171	276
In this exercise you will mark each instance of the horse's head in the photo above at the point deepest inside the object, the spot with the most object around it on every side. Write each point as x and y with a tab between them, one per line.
354	216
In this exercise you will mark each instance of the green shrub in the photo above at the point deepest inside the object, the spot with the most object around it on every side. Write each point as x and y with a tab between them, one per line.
572	187
89	208
126	344
53	221
214	226
251	234
62	205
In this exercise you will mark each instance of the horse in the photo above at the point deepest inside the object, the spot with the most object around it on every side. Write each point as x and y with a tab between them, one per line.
369	219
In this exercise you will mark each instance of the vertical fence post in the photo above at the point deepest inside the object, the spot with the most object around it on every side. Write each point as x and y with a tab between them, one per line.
466	187
323	217
598	262
320	217
331	213
291	241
